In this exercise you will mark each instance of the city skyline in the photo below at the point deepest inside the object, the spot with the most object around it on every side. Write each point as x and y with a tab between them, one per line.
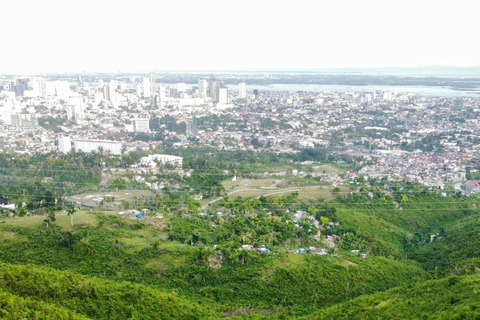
54	36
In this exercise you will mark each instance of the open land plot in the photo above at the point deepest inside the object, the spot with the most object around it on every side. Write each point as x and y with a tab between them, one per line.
250	183
327	168
324	192
61	219
94	198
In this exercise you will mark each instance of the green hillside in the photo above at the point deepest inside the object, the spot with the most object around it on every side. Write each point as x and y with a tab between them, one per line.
13	307
448	298
123	250
91	297
456	250
189	263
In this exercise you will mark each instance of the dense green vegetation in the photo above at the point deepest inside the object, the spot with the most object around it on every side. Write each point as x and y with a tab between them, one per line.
448	298
368	252
246	278
95	298
15	307
455	250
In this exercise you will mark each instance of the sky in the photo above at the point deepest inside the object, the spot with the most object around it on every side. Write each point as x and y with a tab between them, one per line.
201	35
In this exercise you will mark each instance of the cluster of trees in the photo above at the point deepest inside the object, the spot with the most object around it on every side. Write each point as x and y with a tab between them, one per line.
259	280
235	221
167	122
448	298
39	290
225	278
42	180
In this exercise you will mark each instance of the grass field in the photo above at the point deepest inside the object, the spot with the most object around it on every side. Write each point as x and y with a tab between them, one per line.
250	183
61	219
94	198
326	168
268	187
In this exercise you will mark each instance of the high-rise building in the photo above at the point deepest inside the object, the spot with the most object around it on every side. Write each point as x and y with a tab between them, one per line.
64	144
110	91
242	90
6	112
98	97
162	94
141	125
26	120
192	130
213	89
61	88
75	108
80	81
153	83
146	88
181	87
202	88
153	89
222	95
19	89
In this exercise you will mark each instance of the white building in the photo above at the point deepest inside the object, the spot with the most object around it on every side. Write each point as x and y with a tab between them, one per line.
98	97
141	125
129	127
114	147
75	108
162	93
242	90
222	95
202	88
62	88
182	87
6	110
146	88
64	144
153	84
110	91
152	160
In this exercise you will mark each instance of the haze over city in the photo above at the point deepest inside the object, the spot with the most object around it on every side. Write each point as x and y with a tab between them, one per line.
112	36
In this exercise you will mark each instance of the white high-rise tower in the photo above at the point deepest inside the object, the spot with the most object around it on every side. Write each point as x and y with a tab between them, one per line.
147	88
242	90
202	88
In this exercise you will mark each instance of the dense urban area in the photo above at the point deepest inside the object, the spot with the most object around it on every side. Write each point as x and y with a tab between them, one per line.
398	135
239	196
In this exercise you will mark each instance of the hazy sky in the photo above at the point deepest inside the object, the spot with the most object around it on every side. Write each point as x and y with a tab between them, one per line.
111	36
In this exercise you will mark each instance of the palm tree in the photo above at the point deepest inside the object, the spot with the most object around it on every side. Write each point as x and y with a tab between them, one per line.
70	213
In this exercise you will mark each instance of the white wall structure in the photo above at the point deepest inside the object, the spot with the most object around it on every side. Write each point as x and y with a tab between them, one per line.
114	147
242	90
222	95
141	125
64	144
151	160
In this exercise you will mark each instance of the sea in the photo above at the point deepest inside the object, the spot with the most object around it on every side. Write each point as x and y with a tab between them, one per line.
419	90
430	71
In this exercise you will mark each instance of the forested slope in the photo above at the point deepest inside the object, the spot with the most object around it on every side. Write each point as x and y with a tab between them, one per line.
448	298
91	297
